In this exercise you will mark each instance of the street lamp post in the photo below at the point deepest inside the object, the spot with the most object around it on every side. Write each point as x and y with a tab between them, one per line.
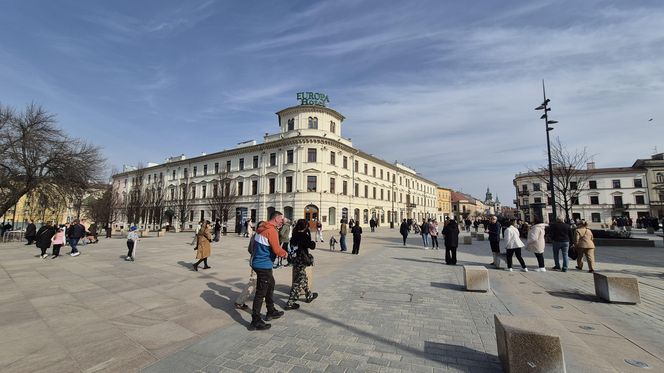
547	122
392	211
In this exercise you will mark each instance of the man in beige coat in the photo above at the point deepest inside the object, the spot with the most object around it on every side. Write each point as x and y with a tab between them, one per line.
584	243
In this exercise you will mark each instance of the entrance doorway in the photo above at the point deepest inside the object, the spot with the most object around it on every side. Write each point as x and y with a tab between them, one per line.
311	216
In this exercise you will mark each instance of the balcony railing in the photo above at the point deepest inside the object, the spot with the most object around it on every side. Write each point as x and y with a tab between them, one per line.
524	193
524	207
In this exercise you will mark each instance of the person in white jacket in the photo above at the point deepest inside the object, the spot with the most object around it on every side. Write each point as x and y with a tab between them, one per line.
535	243
513	245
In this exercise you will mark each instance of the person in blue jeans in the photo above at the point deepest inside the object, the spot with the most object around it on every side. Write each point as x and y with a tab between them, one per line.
343	231
75	232
560	234
425	234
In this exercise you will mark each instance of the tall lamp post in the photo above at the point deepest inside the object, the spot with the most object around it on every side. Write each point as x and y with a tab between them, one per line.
392	214
545	106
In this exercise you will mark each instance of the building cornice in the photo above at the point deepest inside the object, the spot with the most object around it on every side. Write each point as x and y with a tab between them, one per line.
311	109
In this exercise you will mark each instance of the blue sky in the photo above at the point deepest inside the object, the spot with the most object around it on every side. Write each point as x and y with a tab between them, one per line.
445	87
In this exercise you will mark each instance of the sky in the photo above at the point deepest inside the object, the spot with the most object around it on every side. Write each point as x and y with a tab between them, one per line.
447	88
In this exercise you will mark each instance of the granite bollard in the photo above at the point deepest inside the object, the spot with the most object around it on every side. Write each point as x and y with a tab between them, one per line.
480	236
526	344
467	240
476	278
617	287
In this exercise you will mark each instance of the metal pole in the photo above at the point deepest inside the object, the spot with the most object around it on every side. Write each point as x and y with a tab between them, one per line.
548	148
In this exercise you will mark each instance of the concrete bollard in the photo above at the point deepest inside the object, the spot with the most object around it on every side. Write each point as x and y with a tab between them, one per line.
525	344
473	234
476	278
467	240
617	288
480	236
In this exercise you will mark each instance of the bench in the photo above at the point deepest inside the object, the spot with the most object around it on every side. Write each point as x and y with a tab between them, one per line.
525	344
467	240
617	287
476	278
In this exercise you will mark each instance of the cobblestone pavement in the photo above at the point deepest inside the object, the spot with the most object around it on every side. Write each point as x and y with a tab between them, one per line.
392	308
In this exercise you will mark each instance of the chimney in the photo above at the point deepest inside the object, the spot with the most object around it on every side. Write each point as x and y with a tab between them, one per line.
591	165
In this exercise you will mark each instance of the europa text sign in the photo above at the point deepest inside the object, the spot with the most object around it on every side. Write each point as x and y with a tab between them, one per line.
313	98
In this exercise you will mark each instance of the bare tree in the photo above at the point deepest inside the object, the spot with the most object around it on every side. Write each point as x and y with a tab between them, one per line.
182	200
103	208
156	202
570	176
35	153
137	200
224	196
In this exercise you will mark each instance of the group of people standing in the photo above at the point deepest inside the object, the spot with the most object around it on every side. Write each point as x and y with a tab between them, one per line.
429	230
355	229
57	236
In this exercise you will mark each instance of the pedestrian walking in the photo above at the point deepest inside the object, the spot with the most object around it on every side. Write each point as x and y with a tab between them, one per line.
357	237
404	229
584	242
424	231
43	238
372	224
132	243
265	252
319	231
535	243
250	288
343	231
433	232
513	246
560	237
58	240
203	248
493	229
451	239
31	232
302	258
75	232
284	238
217	230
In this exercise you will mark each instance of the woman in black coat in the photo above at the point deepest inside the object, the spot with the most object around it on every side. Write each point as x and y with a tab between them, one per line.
357	237
43	238
403	229
451	233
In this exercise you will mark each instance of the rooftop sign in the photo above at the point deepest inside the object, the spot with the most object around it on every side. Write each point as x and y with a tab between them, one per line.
313	98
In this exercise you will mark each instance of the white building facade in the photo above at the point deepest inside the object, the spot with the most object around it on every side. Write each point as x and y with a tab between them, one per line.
604	194
307	170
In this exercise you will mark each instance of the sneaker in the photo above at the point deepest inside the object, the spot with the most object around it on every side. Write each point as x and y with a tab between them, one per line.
293	306
509	269
273	315
128	258
259	325
311	297
44	256
541	269
579	268
591	271
524	269
54	256
564	270
555	268
241	306
76	253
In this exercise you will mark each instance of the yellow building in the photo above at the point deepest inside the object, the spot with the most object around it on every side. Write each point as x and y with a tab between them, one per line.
444	202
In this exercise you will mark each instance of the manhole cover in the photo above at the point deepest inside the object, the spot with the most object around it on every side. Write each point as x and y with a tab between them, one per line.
636	363
387	296
557	307
586	327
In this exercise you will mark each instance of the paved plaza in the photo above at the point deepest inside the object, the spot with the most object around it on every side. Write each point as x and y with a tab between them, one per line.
392	308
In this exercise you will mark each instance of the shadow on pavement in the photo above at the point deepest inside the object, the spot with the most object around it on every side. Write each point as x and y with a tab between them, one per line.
221	297
443	285
574	295
418	260
449	350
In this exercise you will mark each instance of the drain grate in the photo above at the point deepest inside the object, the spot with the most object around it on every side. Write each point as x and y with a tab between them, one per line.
636	363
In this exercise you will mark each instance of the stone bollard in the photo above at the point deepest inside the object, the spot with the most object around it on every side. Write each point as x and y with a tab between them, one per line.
467	240
473	234
476	278
526	344
480	237
617	288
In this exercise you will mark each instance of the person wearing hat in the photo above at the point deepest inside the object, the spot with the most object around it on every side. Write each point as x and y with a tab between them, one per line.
132	239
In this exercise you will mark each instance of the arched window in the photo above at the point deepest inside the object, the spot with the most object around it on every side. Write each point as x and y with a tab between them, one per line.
333	127
344	214
270	210
366	216
313	123
356	215
660	177
291	124
332	213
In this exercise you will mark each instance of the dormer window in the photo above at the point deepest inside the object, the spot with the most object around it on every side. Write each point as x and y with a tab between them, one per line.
291	124
333	127
313	123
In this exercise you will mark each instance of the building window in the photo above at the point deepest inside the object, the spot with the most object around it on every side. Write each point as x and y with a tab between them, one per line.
549	201
289	184
215	190
291	124
254	187
172	177
333	158
638	183
381	175
374	192
594	200
273	159
216	167
640	200
357	190
575	200
172	194
659	177
538	200
616	183
596	217
345	162
536	187
592	184
344	188
366	191
193	192
228	166
203	191
374	172
255	162
381	194
573	185
271	185
311	155
332	185
357	166
241	166
204	169
366	169
617	201
195	170
333	127
313	123
186	173
311	183
289	156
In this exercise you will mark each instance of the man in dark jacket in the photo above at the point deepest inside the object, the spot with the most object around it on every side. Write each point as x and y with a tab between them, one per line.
30	232
451	234
560	235
75	232
493	229
43	237
403	229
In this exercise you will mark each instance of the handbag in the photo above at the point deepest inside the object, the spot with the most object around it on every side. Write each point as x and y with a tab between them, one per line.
572	253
